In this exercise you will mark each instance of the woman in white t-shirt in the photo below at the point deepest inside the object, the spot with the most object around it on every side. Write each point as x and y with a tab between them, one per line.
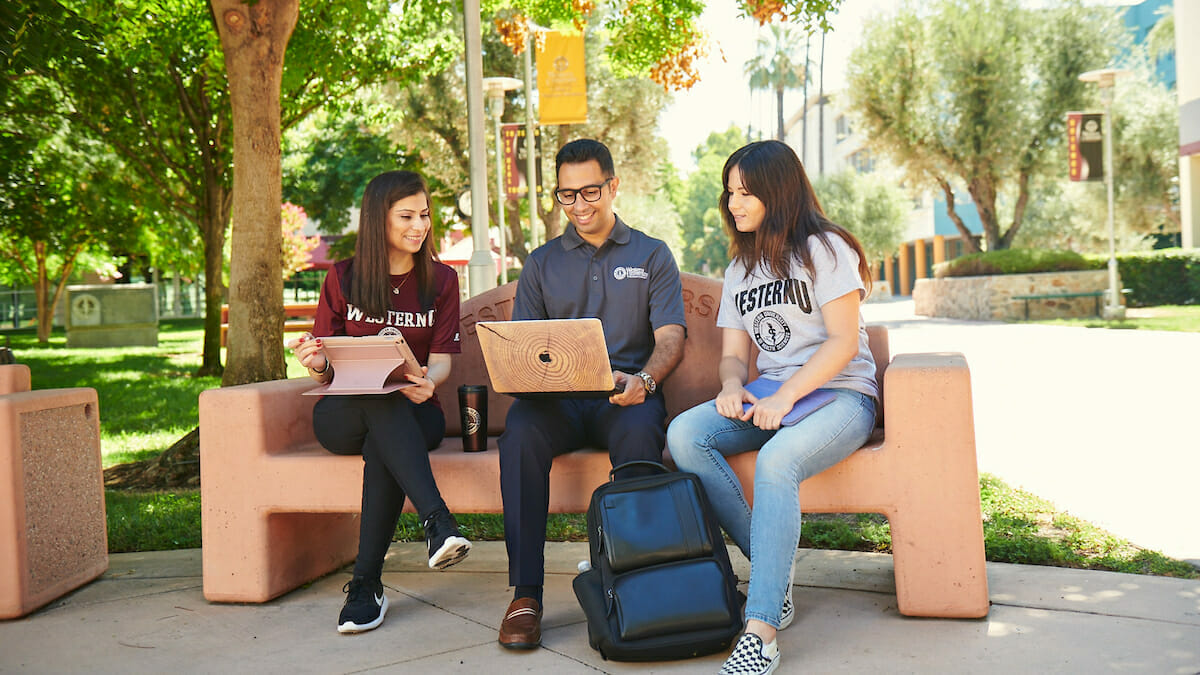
793	290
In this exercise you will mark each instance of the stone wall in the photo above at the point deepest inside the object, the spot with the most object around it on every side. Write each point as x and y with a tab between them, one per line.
990	298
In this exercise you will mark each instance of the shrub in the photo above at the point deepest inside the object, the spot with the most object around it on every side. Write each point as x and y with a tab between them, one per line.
1163	277
1014	261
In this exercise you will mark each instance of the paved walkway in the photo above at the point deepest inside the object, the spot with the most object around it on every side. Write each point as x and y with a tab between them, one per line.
1101	422
1104	423
147	615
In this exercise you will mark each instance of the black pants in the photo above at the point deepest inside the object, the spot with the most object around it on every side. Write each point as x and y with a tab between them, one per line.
394	437
535	432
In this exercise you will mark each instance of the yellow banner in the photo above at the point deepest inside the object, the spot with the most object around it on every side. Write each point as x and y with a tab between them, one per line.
562	84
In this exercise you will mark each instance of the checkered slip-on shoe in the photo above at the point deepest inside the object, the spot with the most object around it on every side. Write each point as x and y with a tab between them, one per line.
788	613
751	657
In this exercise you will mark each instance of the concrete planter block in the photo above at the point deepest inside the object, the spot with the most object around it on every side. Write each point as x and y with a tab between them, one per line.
53	534
991	298
14	377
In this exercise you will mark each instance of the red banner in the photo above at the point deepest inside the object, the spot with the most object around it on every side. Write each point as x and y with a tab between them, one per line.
515	184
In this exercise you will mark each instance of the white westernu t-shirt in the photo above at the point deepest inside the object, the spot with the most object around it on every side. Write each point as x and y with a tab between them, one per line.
783	316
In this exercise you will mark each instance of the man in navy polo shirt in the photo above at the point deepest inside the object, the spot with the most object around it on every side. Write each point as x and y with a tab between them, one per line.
599	267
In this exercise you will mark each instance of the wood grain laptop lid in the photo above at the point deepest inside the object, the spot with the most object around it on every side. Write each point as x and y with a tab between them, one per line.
547	356
361	365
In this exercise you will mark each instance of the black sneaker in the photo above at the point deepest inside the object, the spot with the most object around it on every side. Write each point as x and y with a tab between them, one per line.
365	606
446	546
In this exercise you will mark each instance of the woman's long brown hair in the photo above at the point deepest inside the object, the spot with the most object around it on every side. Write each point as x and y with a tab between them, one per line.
772	172
371	288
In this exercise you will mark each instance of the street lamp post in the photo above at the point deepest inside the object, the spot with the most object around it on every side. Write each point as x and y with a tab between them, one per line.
1106	79
481	269
495	88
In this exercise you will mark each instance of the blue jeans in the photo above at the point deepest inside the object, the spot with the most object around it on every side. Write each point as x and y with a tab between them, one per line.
701	438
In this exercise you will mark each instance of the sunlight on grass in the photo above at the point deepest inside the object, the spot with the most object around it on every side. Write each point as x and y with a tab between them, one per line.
148	395
152	521
1176	318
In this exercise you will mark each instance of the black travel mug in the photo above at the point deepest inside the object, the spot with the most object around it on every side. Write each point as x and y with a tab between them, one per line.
472	407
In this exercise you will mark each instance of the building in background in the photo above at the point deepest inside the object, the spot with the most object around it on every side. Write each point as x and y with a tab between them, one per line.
1187	55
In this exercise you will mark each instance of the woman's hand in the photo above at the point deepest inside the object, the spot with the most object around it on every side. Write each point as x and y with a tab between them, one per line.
729	401
310	354
423	386
768	412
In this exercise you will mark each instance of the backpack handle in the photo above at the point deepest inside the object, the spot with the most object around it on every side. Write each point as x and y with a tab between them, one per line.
612	475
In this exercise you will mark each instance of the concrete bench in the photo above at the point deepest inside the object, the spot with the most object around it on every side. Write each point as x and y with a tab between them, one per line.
298	318
279	511
53	534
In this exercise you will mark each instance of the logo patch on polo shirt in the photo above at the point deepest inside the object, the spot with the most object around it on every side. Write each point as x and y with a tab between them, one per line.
620	273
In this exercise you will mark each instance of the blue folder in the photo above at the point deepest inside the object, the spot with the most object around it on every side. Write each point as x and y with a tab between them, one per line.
815	400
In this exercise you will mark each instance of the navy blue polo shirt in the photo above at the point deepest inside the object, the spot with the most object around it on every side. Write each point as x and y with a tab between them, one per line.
631	283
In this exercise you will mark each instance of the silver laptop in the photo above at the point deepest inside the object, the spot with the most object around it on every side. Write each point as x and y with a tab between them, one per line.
546	357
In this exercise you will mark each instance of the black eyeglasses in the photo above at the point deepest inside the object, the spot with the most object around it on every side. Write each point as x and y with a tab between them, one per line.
590	193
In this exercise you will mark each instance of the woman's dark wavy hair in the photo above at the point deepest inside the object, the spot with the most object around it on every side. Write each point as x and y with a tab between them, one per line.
371	289
772	172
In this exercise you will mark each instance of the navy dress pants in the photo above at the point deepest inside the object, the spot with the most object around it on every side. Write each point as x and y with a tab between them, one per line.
537	431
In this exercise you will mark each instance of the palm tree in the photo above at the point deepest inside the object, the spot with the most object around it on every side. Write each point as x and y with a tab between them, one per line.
774	68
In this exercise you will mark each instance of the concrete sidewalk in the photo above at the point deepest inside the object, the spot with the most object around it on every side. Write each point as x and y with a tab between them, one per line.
1101	422
148	615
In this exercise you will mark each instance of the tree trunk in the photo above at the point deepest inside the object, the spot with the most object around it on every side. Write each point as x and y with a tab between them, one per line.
516	236
45	314
1018	210
552	219
780	135
968	238
212	229
254	38
983	192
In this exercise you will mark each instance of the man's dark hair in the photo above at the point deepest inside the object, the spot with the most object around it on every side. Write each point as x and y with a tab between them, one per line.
584	150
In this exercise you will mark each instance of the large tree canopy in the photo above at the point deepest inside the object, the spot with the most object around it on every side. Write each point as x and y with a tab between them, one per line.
973	93
153	79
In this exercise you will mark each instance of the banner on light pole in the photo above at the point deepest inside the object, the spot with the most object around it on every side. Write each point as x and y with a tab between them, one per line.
561	82
516	185
1085	146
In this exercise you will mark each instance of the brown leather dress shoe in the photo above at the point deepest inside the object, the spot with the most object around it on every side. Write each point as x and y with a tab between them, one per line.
522	625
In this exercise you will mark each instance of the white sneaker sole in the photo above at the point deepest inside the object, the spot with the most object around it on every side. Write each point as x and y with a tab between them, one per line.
351	627
452	552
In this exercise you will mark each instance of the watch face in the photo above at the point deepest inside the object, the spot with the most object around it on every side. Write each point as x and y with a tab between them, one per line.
649	382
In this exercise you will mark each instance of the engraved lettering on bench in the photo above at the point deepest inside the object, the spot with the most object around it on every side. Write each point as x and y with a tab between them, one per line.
500	311
700	306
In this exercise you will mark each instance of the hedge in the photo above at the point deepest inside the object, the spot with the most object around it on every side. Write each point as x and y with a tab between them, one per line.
1163	277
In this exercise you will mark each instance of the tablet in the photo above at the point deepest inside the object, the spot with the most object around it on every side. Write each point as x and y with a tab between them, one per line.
361	365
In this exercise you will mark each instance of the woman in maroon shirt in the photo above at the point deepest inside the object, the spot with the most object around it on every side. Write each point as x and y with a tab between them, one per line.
392	284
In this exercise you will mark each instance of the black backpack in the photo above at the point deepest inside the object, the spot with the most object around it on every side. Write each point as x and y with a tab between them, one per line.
660	585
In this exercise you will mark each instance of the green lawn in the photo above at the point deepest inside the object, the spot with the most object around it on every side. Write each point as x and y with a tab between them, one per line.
1180	318
148	400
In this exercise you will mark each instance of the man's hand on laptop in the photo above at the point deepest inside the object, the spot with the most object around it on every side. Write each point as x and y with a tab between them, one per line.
632	389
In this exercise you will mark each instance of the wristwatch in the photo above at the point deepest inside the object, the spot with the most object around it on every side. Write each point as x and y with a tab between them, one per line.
648	380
